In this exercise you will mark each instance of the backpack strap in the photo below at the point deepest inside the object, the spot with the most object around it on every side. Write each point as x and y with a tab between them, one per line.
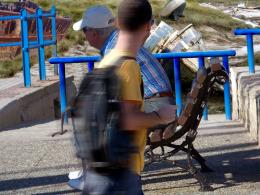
120	61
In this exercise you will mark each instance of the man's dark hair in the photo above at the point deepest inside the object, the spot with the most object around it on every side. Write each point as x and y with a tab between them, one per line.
132	14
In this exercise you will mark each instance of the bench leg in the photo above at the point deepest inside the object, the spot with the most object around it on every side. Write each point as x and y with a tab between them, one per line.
204	186
196	155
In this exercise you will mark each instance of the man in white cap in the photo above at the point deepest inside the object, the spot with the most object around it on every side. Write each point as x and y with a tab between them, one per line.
98	25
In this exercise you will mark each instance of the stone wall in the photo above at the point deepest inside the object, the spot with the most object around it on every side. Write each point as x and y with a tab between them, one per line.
246	99
20	105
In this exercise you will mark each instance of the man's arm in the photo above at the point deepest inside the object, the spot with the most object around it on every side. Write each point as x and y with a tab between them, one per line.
132	116
134	119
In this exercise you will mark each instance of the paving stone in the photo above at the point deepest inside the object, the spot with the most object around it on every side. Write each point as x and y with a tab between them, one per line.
33	162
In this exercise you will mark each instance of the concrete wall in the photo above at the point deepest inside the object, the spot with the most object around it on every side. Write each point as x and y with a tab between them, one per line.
246	99
19	105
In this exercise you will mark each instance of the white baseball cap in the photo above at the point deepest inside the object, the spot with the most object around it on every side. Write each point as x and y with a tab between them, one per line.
95	17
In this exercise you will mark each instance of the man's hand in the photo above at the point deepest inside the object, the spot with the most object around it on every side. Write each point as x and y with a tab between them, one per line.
167	114
134	119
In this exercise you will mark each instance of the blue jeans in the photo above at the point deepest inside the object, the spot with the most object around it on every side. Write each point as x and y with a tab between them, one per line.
123	182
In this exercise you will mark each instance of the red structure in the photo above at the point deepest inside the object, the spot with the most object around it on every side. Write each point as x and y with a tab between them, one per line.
10	30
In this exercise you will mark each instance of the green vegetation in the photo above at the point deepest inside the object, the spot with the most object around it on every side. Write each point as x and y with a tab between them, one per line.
8	68
245	63
195	14
201	16
216	104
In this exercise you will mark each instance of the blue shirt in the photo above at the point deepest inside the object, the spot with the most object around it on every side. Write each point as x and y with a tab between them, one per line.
154	77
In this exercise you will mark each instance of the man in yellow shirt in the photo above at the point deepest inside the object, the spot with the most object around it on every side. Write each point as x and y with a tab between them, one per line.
134	22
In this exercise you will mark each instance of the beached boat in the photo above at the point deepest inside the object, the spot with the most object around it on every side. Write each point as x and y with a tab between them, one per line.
10	30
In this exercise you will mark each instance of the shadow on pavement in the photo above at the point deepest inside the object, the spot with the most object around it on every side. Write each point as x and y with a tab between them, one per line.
58	192
15	184
230	168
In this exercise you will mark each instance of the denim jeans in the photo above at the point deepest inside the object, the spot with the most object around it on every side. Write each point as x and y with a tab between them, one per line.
123	182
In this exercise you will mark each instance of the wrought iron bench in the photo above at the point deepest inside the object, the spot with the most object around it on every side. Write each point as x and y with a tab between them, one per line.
188	124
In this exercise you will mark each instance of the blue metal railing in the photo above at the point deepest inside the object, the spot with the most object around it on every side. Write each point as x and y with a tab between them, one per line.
176	63
250	45
26	44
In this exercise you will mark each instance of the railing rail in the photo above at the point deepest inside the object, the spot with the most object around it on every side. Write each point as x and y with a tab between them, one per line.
62	61
250	45
26	44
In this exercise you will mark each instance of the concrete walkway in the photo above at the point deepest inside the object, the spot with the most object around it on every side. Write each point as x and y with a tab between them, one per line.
32	162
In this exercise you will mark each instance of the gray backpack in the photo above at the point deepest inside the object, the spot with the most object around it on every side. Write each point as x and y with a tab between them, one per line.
96	120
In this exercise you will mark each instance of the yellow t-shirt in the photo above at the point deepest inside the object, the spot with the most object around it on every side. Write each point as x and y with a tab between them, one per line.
130	76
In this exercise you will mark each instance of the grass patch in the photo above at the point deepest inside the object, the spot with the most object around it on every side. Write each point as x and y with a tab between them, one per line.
195	14
8	68
63	46
75	37
244	62
257	58
48	52
216	103
201	16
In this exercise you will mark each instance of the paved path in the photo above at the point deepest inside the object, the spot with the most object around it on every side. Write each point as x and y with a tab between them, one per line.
32	162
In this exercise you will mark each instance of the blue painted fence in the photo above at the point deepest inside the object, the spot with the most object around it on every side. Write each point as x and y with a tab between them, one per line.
26	44
250	45
90	60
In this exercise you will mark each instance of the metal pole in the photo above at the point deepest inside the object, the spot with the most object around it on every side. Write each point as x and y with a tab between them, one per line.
201	62
40	38
250	51
177	80
90	66
227	96
54	36
63	94
25	49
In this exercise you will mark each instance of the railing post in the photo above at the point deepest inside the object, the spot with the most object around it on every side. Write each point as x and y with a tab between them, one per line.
201	61
177	80
25	49
227	91
90	66
54	37
250	50
63	94
40	38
